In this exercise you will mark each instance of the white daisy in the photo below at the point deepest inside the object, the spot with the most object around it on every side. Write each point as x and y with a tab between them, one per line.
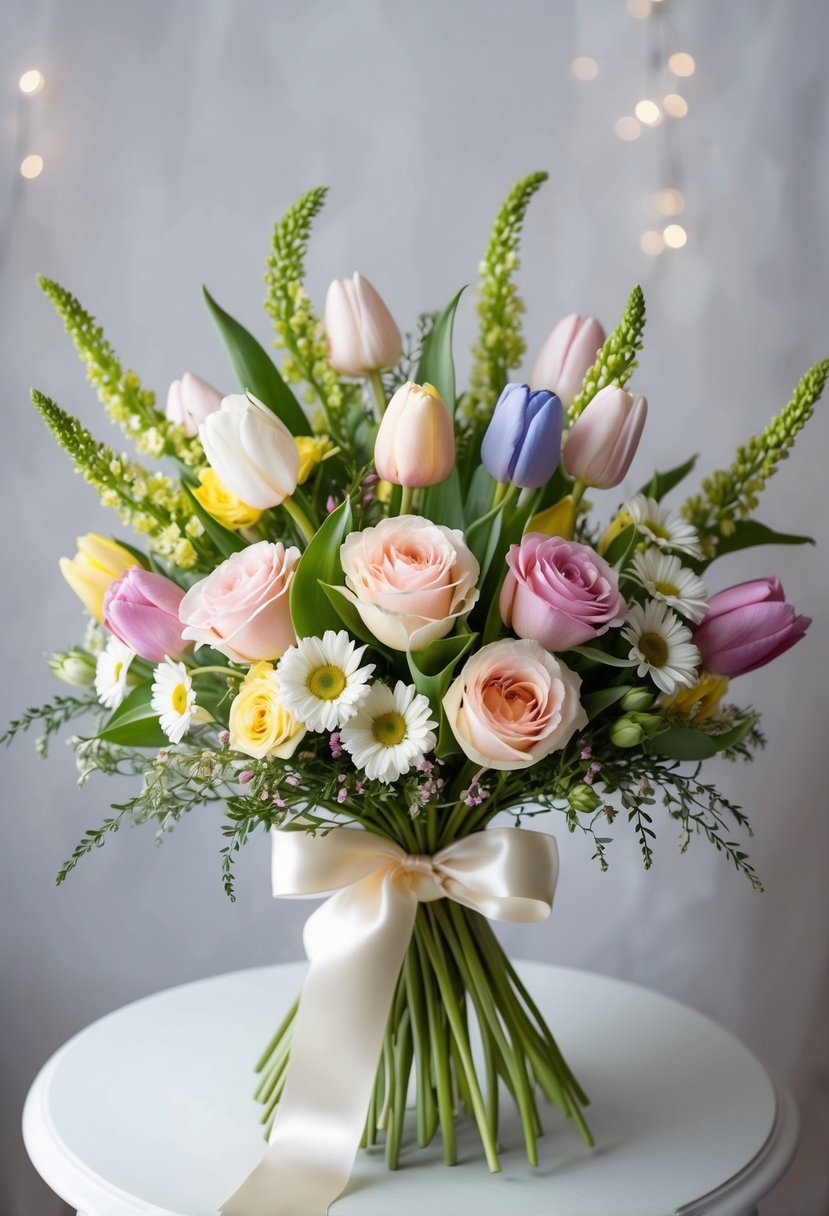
174	700
665	578
657	523
321	680
111	673
391	732
662	645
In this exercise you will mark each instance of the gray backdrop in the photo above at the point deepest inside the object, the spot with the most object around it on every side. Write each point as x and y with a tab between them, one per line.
173	134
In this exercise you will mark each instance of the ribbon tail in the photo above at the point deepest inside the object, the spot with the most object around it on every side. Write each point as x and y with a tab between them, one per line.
356	943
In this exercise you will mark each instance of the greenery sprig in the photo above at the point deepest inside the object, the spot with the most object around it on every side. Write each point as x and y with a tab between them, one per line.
52	717
500	345
128	404
616	361
732	494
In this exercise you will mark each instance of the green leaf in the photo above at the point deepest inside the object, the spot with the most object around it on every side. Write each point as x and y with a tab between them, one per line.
595	702
689	743
134	723
256	370
601	656
481	493
618	551
141	558
661	483
436	364
226	542
432	668
443	503
750	532
350	617
311	609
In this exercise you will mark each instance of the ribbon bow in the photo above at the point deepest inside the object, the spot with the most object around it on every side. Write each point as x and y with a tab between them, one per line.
356	943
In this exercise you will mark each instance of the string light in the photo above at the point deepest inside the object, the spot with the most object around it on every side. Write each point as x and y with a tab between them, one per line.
670	201
31	82
675	105
682	64
31	166
627	127
652	242
675	236
584	68
648	112
639	8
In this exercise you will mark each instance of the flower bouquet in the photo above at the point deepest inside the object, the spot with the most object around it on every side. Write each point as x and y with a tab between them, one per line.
376	617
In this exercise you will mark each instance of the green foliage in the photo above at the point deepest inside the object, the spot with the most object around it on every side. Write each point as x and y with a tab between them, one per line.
616	361
298	329
51	717
311	609
731	494
437	365
129	405
662	483
134	723
500	345
150	503
255	369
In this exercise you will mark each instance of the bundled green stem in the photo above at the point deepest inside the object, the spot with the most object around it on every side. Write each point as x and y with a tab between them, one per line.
616	361
129	405
500	345
732	494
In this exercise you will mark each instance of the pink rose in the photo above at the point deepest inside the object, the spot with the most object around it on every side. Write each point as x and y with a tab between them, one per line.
559	592
513	704
409	579
242	608
141	610
747	626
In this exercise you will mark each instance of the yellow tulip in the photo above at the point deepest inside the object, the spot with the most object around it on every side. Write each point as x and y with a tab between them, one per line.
558	520
259	723
216	499
615	528
98	562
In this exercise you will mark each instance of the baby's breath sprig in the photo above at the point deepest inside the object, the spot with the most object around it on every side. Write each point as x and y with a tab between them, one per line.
298	329
732	494
150	503
128	404
500	345
616	361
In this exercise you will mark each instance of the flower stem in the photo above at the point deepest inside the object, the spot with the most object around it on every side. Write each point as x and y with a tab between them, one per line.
376	382
299	517
406	500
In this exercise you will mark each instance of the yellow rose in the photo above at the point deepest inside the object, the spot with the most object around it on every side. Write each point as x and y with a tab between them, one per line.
213	495
312	450
98	562
259	723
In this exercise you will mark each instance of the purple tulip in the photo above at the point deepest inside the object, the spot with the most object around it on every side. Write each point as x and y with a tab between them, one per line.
141	609
746	626
522	443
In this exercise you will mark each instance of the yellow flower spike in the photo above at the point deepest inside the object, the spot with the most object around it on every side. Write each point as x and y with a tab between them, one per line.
313	449
98	562
558	520
698	703
616	527
213	495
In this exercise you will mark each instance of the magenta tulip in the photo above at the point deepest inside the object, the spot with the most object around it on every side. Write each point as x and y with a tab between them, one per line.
601	444
747	626
141	610
567	355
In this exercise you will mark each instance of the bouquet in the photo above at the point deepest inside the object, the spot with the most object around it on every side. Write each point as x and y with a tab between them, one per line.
370	614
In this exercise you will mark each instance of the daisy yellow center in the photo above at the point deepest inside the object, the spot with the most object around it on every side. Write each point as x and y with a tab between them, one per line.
657	529
117	669
655	649
326	682
665	588
389	729
179	698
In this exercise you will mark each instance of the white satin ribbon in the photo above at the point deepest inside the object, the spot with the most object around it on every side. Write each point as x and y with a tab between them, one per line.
356	943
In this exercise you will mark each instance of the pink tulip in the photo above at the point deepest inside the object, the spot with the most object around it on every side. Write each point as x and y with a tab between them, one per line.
566	356
747	626
190	400
602	443
141	610
362	334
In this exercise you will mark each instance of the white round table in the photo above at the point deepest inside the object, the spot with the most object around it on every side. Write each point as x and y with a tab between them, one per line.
148	1112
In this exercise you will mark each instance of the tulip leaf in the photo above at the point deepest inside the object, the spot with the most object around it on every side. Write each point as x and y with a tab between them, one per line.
142	559
443	503
594	703
661	483
689	743
618	551
134	723
750	532
350	617
481	493
256	370
226	542
595	655
436	364
311	609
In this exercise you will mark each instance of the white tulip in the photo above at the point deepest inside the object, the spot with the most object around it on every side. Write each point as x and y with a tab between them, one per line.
190	401
362	334
252	452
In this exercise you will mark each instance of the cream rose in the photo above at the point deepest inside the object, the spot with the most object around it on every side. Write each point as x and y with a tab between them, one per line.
409	579
259	723
512	704
242	608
